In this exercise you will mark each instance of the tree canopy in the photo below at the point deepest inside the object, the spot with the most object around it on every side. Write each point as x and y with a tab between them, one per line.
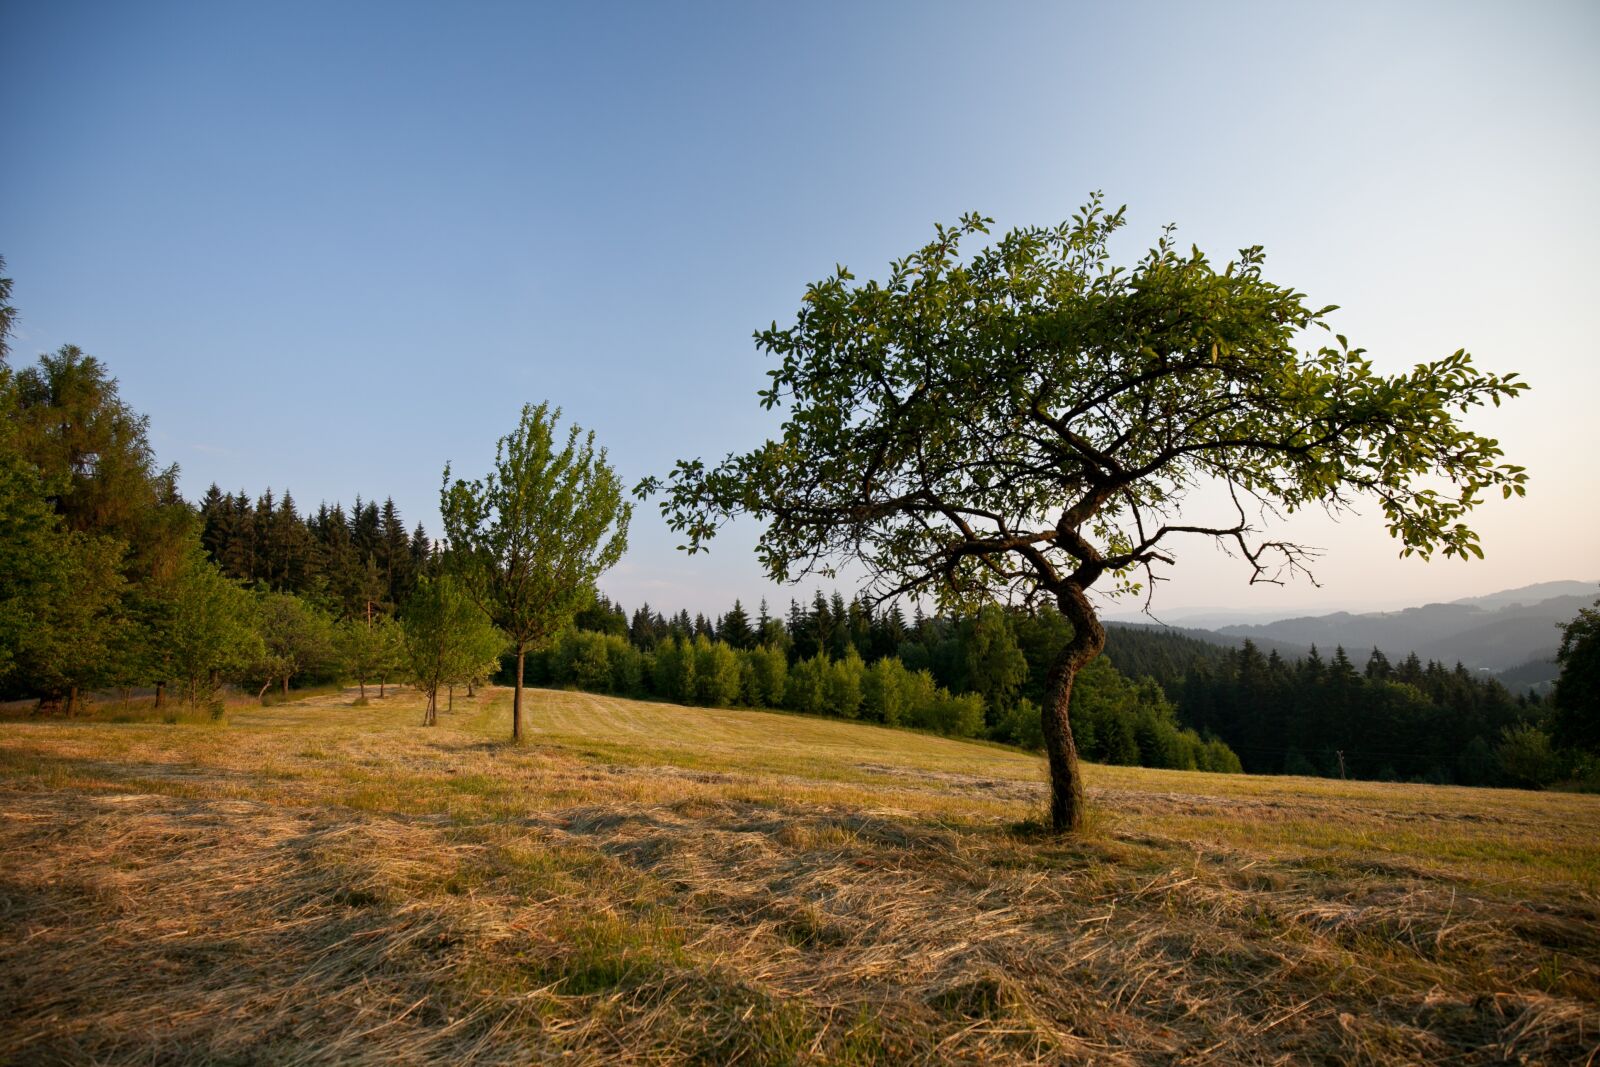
1577	692
1026	421
448	639
529	540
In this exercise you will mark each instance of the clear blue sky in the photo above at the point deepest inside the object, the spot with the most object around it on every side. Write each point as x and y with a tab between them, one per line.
333	245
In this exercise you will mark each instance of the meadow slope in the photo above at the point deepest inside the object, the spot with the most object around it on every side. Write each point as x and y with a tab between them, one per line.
646	883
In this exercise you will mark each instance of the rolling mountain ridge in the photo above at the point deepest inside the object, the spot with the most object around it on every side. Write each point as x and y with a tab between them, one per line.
1514	632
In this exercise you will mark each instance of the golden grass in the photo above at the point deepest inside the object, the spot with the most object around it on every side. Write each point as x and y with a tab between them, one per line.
645	883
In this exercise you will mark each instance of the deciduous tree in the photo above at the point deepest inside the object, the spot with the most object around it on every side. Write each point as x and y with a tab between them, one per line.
1029	421
530	539
448	638
366	647
296	637
201	627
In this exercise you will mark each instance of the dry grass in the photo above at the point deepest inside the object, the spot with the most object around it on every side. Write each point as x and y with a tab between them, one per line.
320	883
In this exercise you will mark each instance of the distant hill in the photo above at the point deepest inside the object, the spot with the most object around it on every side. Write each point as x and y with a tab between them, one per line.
1533	594
1539	675
1496	633
1166	653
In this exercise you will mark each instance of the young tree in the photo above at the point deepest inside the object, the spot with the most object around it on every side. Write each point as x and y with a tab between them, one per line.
530	540
1027	421
448	639
201	627
295	637
366	647
394	660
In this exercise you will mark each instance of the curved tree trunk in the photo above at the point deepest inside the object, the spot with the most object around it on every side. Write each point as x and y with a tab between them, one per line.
1088	638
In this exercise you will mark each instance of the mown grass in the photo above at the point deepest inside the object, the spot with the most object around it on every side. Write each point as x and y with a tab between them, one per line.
325	883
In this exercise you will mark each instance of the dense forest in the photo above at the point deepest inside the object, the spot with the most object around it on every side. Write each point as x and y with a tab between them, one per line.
349	562
109	579
1405	721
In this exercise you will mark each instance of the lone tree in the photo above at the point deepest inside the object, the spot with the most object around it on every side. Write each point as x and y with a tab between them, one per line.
530	539
1027	421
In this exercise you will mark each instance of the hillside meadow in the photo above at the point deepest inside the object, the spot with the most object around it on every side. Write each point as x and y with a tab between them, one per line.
320	882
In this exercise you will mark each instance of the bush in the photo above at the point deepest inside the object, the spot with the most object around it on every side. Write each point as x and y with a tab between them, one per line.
1526	757
1217	757
716	673
1021	726
807	688
953	716
769	671
842	685
673	673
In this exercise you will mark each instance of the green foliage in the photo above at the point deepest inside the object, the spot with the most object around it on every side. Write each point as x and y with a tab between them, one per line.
672	672
1417	721
200	627
889	691
93	452
841	685
716	673
765	677
370	648
1021	725
1118	720
935	417
448	638
59	590
8	314
347	561
1019	423
67	607
296	639
953	715
598	662
1527	757
1576	698
808	685
529	540
995	666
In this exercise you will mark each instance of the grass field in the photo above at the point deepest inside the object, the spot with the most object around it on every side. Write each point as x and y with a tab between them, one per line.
646	883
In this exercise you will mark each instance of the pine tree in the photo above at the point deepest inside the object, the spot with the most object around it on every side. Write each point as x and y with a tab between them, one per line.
421	552
735	628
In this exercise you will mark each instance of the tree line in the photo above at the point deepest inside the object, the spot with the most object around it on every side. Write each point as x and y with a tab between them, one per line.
350	562
979	676
109	578
1405	721
1154	698
115	581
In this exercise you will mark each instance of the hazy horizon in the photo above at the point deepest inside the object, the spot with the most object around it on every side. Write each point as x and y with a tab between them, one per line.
330	249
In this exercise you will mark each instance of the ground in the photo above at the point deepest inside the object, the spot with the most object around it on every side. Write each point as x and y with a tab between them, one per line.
321	882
